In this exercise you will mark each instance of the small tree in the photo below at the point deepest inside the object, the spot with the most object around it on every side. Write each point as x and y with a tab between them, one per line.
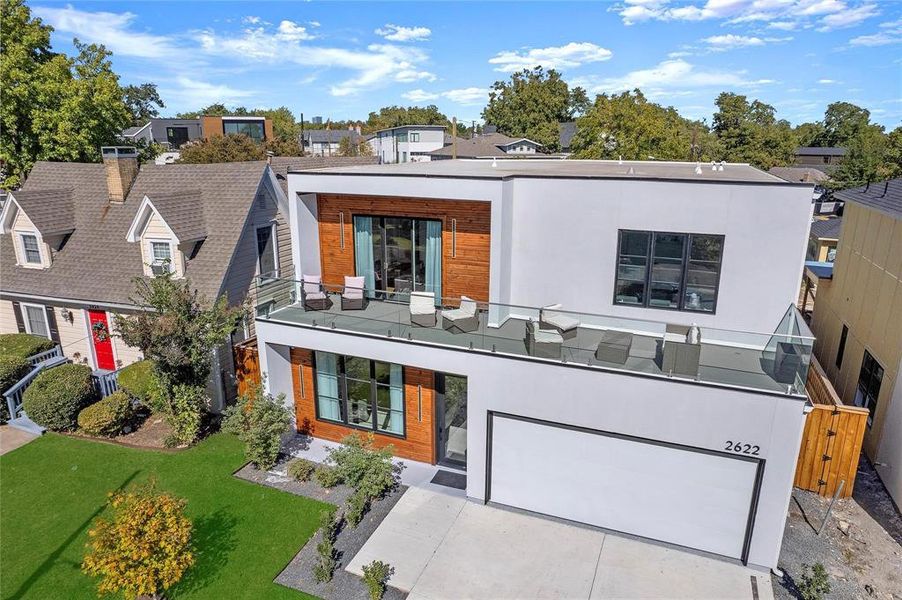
144	547
222	148
376	575
259	421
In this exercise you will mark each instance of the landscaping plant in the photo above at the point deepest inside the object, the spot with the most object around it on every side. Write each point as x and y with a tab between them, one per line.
108	416
259	421
376	576
363	467
56	395
137	380
143	547
179	331
301	469
357	505
325	549
814	584
326	476
24	344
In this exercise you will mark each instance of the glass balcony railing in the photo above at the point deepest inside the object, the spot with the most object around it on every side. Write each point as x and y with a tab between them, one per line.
773	362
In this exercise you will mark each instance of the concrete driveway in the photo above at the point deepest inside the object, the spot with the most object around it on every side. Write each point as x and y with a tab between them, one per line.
443	546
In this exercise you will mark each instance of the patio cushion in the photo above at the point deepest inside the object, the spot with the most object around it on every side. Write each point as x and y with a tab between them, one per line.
312	284
422	303
548	336
562	322
353	287
467	310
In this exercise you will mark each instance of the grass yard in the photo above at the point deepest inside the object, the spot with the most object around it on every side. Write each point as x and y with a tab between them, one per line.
52	488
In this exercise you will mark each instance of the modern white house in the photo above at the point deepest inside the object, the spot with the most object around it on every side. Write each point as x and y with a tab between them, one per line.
407	143
612	343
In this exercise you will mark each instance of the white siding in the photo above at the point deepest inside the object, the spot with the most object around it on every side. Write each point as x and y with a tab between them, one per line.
156	230
124	354
7	317
74	338
22	224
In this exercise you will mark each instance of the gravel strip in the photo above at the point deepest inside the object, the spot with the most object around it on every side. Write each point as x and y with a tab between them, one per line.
299	572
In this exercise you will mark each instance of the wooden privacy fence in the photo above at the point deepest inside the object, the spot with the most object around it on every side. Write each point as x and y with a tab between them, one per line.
247	365
831	442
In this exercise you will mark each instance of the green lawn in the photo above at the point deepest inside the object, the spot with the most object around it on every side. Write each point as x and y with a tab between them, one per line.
52	488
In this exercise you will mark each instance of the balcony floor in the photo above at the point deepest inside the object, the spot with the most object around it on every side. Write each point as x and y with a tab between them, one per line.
719	364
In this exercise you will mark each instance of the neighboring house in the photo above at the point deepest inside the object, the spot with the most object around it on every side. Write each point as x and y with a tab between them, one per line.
77	235
858	320
327	142
407	143
173	133
823	239
824	202
612	409
490	145
825	159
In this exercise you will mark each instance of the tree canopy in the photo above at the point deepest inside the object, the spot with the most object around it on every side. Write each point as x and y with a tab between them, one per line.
532	104
750	132
222	148
143	102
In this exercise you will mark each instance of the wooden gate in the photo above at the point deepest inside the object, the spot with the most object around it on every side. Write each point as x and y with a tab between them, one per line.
831	442
247	365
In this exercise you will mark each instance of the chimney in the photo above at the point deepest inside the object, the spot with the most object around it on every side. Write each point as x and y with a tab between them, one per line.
121	166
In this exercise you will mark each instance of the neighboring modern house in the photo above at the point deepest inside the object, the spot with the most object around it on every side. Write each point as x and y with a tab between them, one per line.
824	202
659	392
858	320
173	133
825	159
489	145
407	143
327	142
823	239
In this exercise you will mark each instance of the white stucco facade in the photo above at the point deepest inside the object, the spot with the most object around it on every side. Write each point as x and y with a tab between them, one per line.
408	143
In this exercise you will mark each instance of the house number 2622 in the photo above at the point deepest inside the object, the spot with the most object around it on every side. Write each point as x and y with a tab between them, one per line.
740	448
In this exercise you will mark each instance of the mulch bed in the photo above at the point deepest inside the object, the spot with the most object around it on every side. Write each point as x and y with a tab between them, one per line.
151	433
298	574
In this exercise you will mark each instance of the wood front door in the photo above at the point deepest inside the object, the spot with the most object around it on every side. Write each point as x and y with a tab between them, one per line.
100	335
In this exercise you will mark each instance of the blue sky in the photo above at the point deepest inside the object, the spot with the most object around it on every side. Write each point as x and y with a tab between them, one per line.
342	60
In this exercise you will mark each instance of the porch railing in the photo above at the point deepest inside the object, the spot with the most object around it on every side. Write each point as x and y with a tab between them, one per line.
39	362
40	357
106	382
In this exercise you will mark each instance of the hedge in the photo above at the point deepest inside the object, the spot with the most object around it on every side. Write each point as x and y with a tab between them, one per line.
108	416
24	344
12	369
56	395
137	380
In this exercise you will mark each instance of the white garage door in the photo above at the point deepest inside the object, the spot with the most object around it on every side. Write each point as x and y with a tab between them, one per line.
673	494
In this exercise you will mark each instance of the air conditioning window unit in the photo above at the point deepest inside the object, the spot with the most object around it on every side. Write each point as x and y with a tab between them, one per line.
159	269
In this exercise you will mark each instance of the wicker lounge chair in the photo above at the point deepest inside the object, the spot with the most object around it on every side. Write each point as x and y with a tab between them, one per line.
313	294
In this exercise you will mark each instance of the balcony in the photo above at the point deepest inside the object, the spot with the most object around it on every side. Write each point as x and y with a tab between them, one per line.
775	362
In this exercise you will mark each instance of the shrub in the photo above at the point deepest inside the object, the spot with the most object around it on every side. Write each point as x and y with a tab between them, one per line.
358	504
24	344
56	395
137	380
301	469
366	469
187	406
259	421
12	369
375	576
144	547
327	476
325	549
108	416
814	583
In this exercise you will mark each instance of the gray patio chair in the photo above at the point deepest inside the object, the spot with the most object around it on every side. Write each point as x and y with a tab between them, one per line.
680	357
542	343
313	294
463	319
352	296
422	309
565	325
614	347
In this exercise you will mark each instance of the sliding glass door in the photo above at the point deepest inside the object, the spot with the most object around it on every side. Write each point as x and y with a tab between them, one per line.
398	254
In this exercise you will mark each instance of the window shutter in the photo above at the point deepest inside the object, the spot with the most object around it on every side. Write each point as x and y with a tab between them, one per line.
51	324
20	324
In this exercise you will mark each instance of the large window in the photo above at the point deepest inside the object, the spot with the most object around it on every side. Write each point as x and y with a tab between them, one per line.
252	129
176	136
869	380
676	271
36	320
360	392
267	261
30	248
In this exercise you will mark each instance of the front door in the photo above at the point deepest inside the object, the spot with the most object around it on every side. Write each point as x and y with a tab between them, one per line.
451	419
103	345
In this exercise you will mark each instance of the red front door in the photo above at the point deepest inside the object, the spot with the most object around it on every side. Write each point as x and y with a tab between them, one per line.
103	346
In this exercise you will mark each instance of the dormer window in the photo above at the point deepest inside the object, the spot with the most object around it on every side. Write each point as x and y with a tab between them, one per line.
160	253
31	249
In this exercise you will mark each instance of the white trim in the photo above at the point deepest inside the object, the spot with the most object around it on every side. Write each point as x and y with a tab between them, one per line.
92	353
142	217
7	215
274	237
18	297
25	319
22	254
240	118
135	134
173	248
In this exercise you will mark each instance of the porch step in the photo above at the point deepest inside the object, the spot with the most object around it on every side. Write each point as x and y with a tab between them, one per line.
26	424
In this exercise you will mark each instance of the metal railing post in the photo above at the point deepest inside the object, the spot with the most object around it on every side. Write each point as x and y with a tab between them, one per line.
836	495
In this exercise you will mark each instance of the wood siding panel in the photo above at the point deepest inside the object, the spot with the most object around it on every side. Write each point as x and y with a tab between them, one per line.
419	442
464	274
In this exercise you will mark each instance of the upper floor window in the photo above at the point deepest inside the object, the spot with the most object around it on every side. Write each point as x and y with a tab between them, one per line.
869	381
31	249
402	137
252	129
414	136
675	271
161	257
267	259
176	136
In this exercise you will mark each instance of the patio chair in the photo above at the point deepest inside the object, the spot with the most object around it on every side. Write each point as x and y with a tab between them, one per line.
463	319
352	296
614	347
422	309
313	294
568	327
542	343
680	356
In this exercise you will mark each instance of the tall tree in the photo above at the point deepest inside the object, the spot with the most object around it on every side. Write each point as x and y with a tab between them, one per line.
532	104
893	154
750	132
395	116
143	102
627	125
222	148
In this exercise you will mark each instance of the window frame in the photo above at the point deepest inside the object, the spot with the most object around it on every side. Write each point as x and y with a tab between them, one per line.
273	232
150	254
684	273
37	239
239	122
373	399
841	348
414	136
866	395
170	137
27	322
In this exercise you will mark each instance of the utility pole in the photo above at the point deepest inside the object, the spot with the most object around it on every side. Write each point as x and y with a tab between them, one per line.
453	137
302	134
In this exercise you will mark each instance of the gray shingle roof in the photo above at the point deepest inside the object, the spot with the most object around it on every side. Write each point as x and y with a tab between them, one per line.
183	212
51	210
818	151
97	264
826	228
483	145
803	174
883	196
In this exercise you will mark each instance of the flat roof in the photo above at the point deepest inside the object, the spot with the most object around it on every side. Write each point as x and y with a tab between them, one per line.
411	127
564	169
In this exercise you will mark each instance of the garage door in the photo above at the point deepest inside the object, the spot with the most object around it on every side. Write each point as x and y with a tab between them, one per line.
675	494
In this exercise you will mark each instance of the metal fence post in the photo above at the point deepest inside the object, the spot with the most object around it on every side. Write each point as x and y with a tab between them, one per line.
836	494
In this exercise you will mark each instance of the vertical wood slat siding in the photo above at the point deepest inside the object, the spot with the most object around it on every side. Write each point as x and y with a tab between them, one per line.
419	442
466	274
247	365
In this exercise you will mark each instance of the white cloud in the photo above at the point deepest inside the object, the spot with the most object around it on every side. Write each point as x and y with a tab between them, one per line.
409	75
398	33
678	54
567	56
783	25
292	32
314	23
668	75
251	20
191	92
419	95
848	18
827	81
731	41
891	34
466	96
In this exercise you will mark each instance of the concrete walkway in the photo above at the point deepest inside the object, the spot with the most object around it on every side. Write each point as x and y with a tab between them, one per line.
12	438
443	546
